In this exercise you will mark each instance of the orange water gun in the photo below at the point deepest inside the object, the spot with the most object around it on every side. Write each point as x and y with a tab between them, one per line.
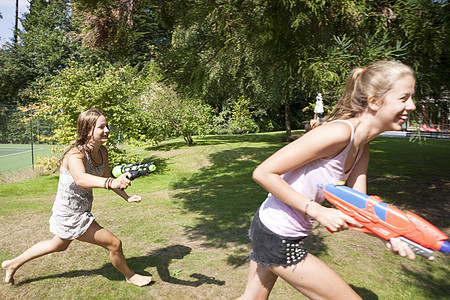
386	221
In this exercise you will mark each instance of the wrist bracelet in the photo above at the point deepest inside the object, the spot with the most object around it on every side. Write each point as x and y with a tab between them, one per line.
307	205
108	183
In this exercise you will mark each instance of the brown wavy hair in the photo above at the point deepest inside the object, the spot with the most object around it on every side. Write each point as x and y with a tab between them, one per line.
85	125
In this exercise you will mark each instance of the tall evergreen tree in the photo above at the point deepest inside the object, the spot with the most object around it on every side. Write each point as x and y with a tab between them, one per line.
129	31
43	48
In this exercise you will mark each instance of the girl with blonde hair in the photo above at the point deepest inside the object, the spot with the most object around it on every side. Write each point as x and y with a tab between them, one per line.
376	99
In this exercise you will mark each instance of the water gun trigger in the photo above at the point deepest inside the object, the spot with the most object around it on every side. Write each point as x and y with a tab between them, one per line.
359	229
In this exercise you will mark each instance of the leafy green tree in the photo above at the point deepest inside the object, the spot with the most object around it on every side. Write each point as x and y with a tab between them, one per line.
17	72
169	113
137	105
242	121
271	51
424	26
42	49
44	36
150	38
80	87
105	23
282	53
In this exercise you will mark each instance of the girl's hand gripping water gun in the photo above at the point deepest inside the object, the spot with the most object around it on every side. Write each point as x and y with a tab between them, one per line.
386	221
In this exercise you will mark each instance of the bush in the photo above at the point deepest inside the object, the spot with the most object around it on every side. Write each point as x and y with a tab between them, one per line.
237	120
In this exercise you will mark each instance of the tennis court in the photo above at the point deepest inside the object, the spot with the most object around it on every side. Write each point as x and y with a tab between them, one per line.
19	156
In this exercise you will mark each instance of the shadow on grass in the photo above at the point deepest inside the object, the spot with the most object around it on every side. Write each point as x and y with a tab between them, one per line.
212	140
428	277
365	293
160	259
412	176
225	196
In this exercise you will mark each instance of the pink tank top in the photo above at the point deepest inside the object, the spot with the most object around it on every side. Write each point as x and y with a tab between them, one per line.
308	180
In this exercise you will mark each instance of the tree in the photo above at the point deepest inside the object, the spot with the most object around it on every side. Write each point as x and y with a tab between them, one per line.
272	51
105	23
242	121
169	113
80	87
281	53
129	31
424	26
44	36
42	49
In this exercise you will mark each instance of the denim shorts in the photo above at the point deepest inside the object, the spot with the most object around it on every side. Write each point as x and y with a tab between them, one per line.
271	249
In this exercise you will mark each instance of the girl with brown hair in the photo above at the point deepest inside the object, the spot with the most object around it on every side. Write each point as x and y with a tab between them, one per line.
84	166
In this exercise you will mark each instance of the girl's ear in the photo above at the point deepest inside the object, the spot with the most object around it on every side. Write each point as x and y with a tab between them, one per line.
373	103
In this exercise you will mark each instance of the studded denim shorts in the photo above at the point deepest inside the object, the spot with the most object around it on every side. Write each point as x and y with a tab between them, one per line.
271	249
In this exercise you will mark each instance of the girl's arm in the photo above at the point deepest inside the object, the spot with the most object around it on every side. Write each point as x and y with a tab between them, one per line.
325	141
74	162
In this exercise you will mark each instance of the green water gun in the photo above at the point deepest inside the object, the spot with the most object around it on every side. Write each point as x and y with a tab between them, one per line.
136	170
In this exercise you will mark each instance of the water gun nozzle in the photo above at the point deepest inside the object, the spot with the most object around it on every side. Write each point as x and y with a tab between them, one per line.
445	248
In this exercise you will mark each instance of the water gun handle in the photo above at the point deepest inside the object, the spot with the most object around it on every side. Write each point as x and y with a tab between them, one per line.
416	248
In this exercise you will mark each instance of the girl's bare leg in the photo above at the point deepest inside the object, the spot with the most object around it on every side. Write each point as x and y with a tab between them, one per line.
98	235
260	282
316	280
42	248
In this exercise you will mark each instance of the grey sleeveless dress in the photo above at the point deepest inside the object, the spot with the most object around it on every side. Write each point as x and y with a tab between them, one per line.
71	212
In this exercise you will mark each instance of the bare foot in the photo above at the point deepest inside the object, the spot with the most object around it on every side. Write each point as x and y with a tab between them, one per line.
138	280
9	272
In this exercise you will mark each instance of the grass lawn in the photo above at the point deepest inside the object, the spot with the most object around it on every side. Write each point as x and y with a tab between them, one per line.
190	230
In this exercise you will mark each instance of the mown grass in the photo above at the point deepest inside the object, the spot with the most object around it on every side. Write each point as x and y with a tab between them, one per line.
190	230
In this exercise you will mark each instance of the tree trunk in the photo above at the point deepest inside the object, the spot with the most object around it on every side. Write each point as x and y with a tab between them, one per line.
189	140
287	116
16	26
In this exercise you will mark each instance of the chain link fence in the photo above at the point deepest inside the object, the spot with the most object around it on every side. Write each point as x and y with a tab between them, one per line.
22	138
15	128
